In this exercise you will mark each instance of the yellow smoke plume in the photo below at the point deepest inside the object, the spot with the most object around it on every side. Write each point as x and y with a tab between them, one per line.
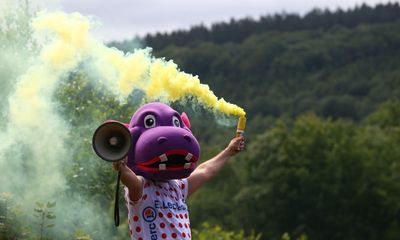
35	150
157	78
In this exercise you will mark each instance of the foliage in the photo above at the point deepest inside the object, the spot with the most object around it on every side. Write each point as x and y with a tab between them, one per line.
286	236
16	46
45	216
11	226
217	233
387	116
81	235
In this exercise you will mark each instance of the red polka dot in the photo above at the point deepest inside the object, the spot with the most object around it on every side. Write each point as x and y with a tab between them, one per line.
172	225
129	221
189	235
144	197
162	225
169	215
138	229
173	235
146	185
180	225
130	230
164	235
177	216
160	214
186	225
180	215
186	215
140	238
157	193
135	218
183	234
182	186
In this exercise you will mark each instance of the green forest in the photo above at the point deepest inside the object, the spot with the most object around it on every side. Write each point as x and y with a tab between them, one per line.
322	158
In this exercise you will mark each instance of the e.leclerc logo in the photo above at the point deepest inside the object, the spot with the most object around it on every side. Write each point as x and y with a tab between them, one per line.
149	214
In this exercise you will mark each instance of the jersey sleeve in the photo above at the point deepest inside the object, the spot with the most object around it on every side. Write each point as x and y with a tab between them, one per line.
184	185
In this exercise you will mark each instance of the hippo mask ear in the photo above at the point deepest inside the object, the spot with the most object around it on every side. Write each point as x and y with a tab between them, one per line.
185	120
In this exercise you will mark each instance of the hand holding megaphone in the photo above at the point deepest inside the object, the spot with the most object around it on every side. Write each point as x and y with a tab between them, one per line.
112	141
120	165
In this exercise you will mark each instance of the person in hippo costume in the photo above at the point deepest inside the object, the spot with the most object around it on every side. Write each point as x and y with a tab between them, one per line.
160	172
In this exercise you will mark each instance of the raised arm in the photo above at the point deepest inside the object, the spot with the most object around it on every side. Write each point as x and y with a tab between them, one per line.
205	171
130	180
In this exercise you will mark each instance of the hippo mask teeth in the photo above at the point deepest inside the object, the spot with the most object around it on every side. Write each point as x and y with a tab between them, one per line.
162	167
163	158
188	157
187	165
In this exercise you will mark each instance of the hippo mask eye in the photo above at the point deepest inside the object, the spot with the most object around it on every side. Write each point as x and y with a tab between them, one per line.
176	122
149	121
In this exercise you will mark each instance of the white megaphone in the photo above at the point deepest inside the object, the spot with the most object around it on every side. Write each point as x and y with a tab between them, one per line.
112	141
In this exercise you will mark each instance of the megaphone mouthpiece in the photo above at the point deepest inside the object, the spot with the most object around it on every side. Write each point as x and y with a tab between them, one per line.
113	141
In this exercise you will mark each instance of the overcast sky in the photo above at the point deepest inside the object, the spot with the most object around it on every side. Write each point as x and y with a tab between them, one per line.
123	19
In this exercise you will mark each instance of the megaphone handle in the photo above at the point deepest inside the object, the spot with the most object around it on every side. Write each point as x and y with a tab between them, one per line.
116	203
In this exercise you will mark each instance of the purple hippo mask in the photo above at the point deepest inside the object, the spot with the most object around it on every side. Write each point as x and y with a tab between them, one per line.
163	146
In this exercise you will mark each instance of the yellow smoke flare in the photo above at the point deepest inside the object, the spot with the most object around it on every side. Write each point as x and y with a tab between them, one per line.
157	78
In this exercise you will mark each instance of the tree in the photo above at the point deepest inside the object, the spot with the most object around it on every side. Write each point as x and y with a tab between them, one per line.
327	179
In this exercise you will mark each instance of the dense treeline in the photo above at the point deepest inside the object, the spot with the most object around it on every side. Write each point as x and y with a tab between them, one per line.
238	30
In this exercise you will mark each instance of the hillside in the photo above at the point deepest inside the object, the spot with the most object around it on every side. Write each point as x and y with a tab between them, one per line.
339	64
337	73
239	30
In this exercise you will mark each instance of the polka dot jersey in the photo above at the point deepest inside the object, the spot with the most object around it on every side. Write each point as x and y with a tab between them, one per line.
161	212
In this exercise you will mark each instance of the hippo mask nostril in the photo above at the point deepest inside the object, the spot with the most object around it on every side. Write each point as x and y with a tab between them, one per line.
161	139
187	138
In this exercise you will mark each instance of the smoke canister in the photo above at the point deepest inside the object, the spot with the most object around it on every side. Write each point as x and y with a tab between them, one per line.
240	129
241	126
